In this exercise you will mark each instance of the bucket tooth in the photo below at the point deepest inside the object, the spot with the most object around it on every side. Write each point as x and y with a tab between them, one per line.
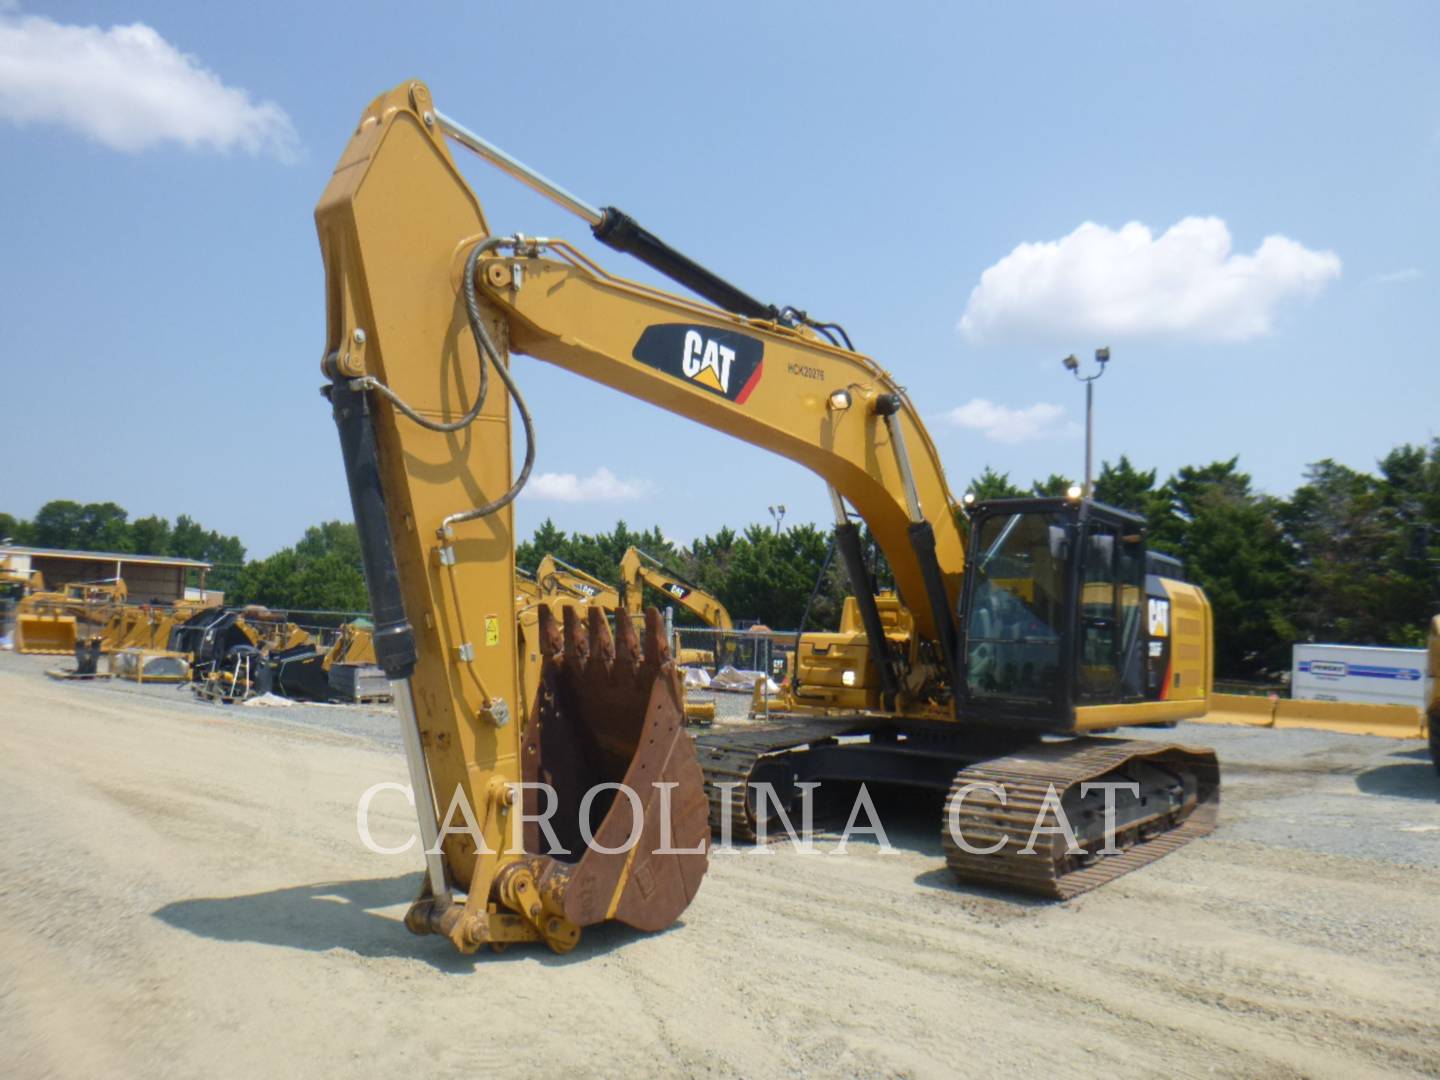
551	640
627	643
657	649
577	645
602	645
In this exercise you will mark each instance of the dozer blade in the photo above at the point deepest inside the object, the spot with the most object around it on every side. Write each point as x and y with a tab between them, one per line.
46	635
1163	797
609	712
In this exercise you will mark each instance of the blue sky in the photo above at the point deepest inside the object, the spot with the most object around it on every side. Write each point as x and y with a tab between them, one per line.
893	167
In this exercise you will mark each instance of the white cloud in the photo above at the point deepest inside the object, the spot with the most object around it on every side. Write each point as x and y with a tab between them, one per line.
129	89
600	486
1003	424
1396	277
1099	285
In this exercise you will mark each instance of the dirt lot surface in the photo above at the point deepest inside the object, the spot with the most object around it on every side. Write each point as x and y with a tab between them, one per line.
183	893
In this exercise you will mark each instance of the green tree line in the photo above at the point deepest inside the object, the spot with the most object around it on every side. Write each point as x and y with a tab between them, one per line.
106	526
1349	556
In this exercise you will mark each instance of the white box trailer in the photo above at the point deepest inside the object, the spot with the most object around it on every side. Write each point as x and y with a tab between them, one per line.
1361	673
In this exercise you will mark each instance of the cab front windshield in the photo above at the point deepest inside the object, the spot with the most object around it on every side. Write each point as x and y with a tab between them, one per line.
1017	607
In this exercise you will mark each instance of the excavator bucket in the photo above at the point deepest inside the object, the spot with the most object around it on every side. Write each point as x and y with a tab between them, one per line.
607	722
45	633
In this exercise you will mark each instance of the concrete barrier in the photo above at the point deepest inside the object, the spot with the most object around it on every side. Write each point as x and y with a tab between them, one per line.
1352	718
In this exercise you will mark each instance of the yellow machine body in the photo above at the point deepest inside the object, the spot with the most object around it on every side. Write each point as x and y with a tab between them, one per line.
837	671
353	645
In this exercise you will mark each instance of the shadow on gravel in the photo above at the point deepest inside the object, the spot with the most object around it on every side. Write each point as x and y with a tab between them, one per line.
909	817
347	915
1420	753
1407	781
912	820
1016	902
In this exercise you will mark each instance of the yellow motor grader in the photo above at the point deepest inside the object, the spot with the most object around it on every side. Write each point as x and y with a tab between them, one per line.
1023	634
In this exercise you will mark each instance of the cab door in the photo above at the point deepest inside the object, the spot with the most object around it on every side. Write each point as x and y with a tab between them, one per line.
1108	647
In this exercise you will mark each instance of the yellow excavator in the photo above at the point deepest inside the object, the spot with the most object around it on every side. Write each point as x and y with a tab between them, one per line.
1059	626
558	578
637	570
527	589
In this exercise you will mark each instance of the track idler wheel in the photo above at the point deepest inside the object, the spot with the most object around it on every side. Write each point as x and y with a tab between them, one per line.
607	734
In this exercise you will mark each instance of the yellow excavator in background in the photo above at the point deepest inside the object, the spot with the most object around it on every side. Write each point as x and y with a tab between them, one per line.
558	578
527	589
637	570
557	583
1059	627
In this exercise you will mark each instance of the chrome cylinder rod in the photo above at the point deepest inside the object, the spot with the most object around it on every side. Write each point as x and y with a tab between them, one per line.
902	461
518	169
420	785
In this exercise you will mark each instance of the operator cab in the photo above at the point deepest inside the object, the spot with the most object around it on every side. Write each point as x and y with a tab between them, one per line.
1053	611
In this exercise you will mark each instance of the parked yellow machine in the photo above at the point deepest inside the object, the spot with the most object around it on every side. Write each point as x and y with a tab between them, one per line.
352	645
558	578
637	570
51	623
1055	635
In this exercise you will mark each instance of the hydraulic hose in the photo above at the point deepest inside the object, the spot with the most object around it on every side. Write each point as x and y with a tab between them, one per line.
488	352
487	346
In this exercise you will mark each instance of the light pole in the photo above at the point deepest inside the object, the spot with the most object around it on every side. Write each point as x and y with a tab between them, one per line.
778	513
1072	365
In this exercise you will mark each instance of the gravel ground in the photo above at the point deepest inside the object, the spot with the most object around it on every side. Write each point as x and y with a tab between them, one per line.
182	893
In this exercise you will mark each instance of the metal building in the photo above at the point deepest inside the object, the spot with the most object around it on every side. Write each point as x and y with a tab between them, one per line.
148	578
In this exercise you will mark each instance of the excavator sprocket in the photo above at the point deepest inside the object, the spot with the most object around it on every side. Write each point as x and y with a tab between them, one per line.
609	711
1178	800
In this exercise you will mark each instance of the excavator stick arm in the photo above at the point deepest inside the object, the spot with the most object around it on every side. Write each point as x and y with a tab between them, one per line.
638	569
